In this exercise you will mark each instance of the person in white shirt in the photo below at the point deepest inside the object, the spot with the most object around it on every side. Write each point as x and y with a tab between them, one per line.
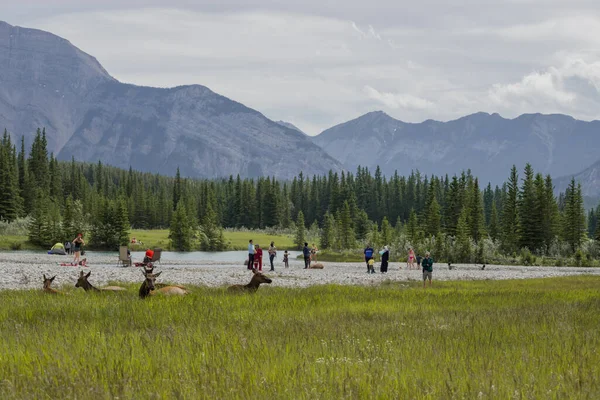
251	255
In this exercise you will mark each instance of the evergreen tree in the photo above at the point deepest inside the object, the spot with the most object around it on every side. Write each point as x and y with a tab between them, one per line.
9	185
477	218
300	237
177	189
180	231
328	232
433	219
412	226
346	233
493	227
574	216
529	211
213	238
510	216
463	242
386	232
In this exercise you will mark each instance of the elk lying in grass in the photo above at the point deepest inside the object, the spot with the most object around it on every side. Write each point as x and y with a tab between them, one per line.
83	282
47	283
252	287
150	288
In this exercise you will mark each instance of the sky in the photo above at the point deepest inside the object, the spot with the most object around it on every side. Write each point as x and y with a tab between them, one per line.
318	63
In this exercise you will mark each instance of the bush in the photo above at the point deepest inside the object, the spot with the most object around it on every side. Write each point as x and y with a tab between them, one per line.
16	246
526	257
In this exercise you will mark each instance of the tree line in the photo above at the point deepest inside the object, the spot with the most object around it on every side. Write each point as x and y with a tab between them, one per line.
347	209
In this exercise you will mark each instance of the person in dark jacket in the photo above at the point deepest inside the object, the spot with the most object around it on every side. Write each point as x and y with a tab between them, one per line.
306	253
369	256
427	265
385	257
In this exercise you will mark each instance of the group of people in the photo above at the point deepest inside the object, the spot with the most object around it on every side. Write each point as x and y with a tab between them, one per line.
425	262
255	256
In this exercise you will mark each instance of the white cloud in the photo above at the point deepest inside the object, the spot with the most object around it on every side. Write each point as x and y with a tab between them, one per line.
398	100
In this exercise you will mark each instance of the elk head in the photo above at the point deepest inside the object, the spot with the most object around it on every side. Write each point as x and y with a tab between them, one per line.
48	282
82	281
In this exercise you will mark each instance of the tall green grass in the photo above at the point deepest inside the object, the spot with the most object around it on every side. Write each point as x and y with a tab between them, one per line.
486	339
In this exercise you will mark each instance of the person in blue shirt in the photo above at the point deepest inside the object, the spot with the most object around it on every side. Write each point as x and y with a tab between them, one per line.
250	255
369	256
306	253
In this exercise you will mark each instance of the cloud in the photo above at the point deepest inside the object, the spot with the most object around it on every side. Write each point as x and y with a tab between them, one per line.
397	100
573	87
316	66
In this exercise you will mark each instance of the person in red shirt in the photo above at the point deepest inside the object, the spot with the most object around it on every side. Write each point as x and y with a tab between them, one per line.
148	256
258	253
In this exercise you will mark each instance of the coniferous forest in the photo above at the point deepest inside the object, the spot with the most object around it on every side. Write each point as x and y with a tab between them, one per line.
456	217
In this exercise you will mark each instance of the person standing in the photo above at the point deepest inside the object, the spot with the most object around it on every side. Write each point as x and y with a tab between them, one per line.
250	254
411	259
285	259
385	257
77	244
258	253
68	247
427	264
369	256
313	253
306	253
272	254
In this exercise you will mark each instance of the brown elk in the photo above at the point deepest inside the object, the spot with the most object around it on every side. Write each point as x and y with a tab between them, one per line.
251	287
47	283
150	288
83	282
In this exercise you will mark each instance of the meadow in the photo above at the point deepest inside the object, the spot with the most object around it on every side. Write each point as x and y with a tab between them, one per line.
151	238
525	339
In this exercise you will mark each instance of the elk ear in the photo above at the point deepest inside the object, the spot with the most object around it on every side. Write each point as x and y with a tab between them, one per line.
45	277
81	274
52	279
254	271
88	274
156	275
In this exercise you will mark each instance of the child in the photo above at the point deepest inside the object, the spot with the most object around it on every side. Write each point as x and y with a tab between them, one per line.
371	266
285	259
258	258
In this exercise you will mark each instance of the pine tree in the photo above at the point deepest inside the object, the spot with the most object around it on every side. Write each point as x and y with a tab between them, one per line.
551	216
493	227
574	216
476	219
463	242
412	227
386	232
180	231
300	237
328	232
213	238
433	219
9	186
529	211
346	233
510	217
374	237
177	189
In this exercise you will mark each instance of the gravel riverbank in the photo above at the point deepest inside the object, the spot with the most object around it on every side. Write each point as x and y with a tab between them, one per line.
24	271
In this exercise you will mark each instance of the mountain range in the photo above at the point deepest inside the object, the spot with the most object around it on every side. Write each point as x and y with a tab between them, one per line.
485	143
45	81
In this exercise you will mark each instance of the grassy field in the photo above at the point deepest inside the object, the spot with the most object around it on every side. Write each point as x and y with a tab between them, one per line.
486	339
160	238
